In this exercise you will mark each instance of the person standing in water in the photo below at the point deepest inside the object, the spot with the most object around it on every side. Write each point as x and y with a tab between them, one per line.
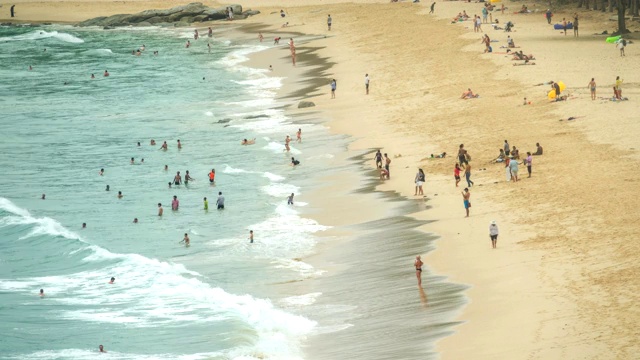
210	34
290	199
175	203
120	195
387	162
107	189
187	178
418	265
251	236
212	176
113	280
206	204
164	146
466	196
177	180
160	209
220	201
287	140
299	135
101	172
106	73
101	349
378	159
185	240
41	292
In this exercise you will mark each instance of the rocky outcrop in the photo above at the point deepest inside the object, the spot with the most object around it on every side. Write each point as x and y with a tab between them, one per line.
194	12
305	104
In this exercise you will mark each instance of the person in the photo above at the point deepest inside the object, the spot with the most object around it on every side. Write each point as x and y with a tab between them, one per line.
153	142
187	44
270	68
210	33
41	292
548	15
575	25
120	195
112	280
485	14
419	180
135	220
84	225
299	135
260	37
555	86
501	156
502	8
515	153
493	234
175	203
510	42
142	161
538	149
132	161
621	44
592	87
282	13
456	173
206	204
507	168
276	40
487	43
333	88
187	178
196	35
467	175
418	265
101	349
179	144
513	165
107	189
177	180
618	88
468	95
384	174
378	159
366	83
287	140
220	201
185	239
564	26
164	146
433	7
528	161
329	22
93	76
106	73
166	168
466	195
13	10
462	155
160	209
294	162
479	24
138	143
290	199
44	195
248	142
251	236
208	47
101	172
212	176
387	162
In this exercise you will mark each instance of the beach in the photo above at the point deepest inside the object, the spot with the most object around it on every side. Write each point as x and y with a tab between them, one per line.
563	274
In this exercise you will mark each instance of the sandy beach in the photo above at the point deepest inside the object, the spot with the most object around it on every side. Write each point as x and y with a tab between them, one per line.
562	281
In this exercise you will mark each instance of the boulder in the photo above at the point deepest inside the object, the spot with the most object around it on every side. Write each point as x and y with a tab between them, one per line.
251	12
305	104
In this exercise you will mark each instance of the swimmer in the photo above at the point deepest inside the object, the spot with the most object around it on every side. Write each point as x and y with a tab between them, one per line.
260	37
160	210
138	143
206	204
113	280
166	168
142	161
101	349
251	236
287	140
196	35
212	176
294	162
187	44
209	47
153	142
299	135
120	195
185	240
106	73
93	76
142	47
107	189
169	184
138	53
44	195
84	225
41	292
30	68
290	199
132	161
135	220
248	142
155	52
164	146
175	204
179	144
187	178
177	180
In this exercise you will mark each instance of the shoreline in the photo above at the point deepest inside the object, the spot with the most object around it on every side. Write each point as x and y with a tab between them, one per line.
548	228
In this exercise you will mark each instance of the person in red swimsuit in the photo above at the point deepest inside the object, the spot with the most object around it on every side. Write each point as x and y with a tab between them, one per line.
456	173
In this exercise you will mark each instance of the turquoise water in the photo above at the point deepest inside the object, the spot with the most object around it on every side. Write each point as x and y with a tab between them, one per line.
211	300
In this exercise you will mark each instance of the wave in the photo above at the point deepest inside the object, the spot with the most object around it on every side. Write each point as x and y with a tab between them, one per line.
278	148
41	34
100	52
281	190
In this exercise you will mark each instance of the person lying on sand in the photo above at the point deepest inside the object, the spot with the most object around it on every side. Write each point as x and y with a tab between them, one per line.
469	95
526	62
457	18
519	55
248	142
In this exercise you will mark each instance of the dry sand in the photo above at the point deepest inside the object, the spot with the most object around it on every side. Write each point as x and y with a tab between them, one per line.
563	281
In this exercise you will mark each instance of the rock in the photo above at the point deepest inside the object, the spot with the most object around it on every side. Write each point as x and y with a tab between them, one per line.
305	104
108	28
144	23
251	12
223	121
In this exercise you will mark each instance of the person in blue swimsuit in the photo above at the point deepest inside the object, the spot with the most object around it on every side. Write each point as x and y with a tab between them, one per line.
466	195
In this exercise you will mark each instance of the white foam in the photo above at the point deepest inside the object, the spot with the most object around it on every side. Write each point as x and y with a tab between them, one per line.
280	190
111	354
239	56
307	299
41	34
101	52
229	170
273	177
278	148
208	113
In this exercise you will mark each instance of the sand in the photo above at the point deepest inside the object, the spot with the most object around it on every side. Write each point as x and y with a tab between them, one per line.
563	281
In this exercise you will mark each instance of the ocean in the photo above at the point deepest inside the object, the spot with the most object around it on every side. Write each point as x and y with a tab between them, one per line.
212	300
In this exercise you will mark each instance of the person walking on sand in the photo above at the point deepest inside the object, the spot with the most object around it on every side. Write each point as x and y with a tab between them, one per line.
418	265
621	44
333	88
513	165
387	161
366	83
592	87
618	88
466	195
467	175
433	8
419	182
12	10
456	173
378	159
548	15
329	20
493	234
528	161
462	155
575	25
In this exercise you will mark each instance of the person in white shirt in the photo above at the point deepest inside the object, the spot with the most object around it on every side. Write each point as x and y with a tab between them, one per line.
366	83
493	234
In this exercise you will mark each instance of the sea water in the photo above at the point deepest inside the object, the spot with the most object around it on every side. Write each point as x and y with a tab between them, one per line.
59	127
